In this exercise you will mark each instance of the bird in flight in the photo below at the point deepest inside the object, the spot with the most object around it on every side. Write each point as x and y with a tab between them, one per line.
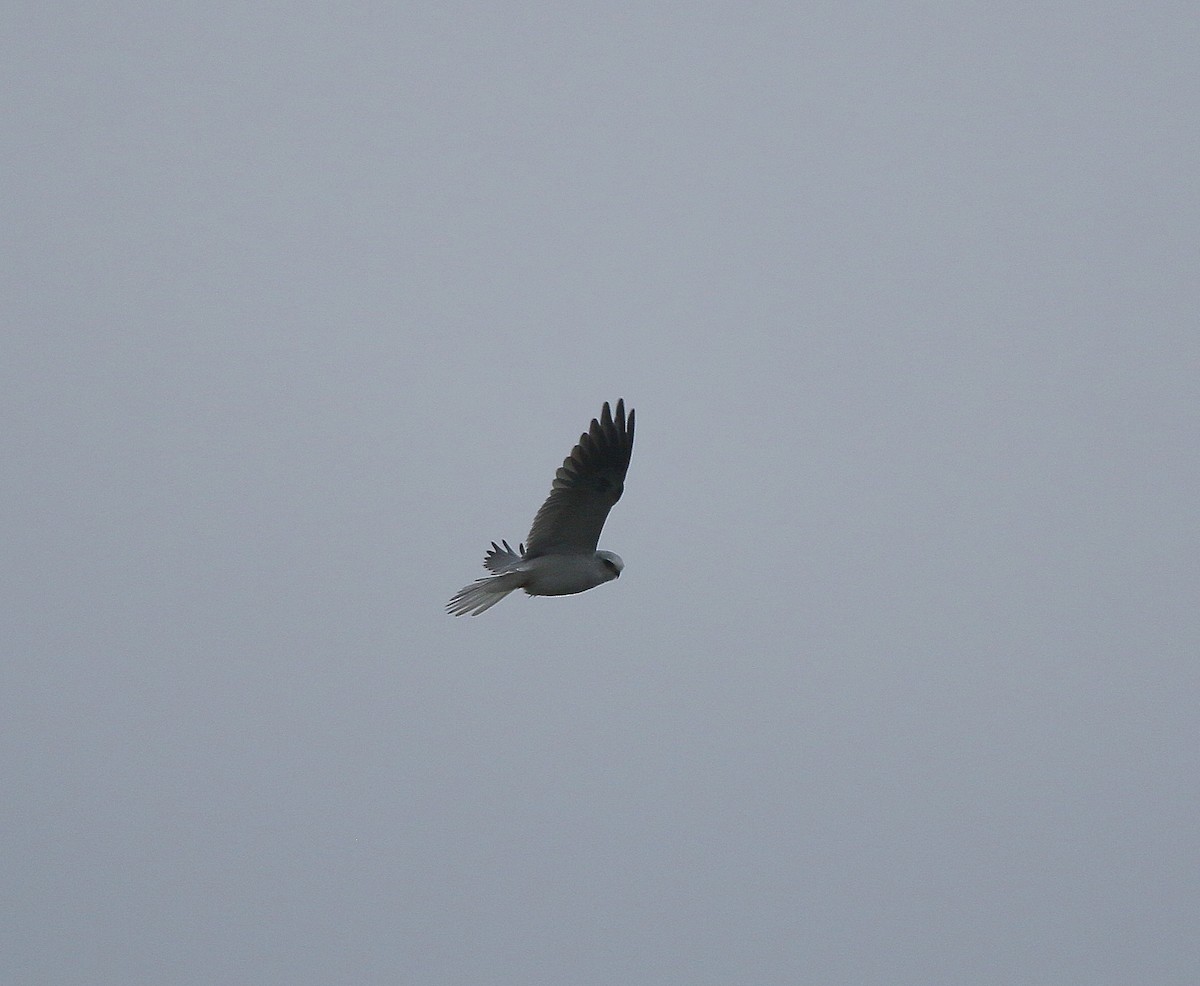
559	557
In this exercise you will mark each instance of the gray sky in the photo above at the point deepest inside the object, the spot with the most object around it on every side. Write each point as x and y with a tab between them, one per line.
303	305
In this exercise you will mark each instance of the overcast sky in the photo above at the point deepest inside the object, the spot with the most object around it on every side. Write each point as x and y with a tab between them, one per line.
302	306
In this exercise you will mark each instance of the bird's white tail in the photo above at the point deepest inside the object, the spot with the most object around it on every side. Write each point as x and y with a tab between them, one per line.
483	593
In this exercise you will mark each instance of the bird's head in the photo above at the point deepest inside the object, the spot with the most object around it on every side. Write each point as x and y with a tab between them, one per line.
611	563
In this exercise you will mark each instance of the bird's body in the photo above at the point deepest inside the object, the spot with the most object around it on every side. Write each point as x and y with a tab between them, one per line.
560	556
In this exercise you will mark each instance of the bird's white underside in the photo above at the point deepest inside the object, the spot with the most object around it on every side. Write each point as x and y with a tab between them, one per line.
545	575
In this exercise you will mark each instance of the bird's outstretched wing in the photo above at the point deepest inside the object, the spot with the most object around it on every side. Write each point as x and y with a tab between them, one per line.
587	484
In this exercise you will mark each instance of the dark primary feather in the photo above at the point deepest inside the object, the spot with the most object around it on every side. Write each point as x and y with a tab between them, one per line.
587	484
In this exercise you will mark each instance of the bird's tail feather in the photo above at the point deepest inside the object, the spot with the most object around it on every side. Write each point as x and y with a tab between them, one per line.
483	593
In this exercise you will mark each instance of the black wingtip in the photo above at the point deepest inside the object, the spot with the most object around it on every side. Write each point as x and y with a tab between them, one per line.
607	438
608	417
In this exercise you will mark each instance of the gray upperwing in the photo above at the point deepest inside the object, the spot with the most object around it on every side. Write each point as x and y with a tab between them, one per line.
587	484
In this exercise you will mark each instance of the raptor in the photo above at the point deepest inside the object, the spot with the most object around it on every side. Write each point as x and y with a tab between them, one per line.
560	556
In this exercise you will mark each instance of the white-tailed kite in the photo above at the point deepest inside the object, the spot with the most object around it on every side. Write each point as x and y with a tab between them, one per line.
559	557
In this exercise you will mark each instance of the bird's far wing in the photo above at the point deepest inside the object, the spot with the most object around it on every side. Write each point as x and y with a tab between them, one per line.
590	480
500	559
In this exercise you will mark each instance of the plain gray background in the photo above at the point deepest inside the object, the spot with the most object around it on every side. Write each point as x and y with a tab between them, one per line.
304	303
